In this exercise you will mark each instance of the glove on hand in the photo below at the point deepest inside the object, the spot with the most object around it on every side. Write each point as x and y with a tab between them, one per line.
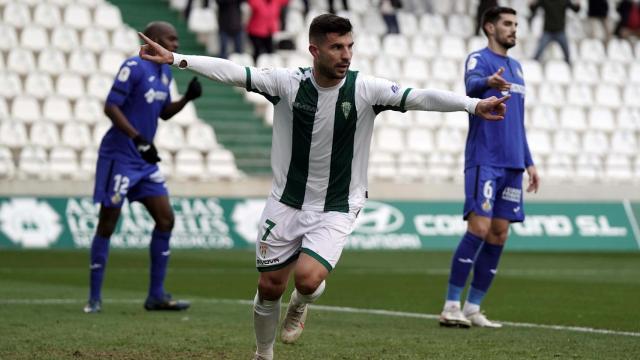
194	90
147	150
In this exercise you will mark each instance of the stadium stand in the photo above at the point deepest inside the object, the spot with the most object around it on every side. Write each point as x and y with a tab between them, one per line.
58	58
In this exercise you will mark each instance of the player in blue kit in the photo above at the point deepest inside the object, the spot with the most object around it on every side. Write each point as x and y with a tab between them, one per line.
496	155
127	165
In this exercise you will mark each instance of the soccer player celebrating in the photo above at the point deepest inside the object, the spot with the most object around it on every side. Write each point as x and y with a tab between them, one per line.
496	155
323	123
127	165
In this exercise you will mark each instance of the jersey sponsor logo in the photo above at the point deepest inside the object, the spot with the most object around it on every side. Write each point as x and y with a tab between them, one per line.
124	73
346	109
131	63
511	194
304	107
472	62
29	222
152	95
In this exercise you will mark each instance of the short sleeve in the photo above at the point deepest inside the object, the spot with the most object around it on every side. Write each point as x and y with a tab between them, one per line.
126	79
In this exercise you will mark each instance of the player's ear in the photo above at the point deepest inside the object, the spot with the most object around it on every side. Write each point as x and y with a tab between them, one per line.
313	49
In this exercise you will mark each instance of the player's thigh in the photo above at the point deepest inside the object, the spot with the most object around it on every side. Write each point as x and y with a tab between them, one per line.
480	184
509	200
279	238
160	210
150	183
107	220
326	240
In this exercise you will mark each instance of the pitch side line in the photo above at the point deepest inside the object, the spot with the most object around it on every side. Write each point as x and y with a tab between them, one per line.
340	309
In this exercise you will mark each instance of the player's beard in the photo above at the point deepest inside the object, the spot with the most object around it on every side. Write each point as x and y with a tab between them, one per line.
506	43
330	72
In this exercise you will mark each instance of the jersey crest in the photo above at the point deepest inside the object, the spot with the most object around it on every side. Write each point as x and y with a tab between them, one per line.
346	108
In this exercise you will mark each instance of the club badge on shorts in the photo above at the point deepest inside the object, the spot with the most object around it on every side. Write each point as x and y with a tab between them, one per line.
486	205
116	198
263	249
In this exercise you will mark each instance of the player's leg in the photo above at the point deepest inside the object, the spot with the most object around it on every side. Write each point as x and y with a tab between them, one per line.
485	269
321	249
277	250
266	309
507	208
110	188
107	220
160	210
478	210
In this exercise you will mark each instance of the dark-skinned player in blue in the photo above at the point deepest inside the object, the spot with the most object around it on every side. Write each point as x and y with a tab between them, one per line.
127	165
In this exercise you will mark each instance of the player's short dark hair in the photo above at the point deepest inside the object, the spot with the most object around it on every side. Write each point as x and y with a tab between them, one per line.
492	15
328	23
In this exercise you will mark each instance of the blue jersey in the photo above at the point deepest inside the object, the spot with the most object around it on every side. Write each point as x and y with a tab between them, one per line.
496	143
141	91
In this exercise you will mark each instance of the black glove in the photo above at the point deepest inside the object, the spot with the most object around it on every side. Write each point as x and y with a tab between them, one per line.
194	90
147	150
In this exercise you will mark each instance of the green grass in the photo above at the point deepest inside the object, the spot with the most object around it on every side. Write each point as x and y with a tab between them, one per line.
569	289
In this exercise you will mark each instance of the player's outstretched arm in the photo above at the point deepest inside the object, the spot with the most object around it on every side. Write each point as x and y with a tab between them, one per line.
492	108
217	69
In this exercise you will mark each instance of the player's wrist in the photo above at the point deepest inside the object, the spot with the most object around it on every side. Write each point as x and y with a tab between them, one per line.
471	105
179	60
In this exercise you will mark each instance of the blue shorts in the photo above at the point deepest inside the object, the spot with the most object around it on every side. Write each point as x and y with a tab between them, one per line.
494	192
116	180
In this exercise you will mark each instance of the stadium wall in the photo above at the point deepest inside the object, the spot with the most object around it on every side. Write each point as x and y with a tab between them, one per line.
207	218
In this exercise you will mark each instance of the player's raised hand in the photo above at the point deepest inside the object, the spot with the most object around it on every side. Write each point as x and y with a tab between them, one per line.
492	108
153	51
496	81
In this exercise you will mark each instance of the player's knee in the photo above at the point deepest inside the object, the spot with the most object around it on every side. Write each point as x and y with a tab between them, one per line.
479	230
166	223
498	237
308	283
271	288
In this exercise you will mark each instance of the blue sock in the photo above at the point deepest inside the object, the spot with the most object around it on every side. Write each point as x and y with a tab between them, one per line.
484	271
461	265
159	252
99	255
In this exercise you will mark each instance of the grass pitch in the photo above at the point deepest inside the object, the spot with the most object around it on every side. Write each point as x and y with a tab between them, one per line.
42	294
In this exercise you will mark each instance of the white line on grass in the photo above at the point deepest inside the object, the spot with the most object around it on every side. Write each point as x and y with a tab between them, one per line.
341	309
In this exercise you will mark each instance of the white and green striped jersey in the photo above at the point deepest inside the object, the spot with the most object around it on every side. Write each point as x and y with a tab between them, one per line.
322	136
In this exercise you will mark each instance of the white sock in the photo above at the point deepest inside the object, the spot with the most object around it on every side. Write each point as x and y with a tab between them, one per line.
451	303
266	314
298	299
470	308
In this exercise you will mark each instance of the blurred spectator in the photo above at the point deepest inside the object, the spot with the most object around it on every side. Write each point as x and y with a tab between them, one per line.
230	25
388	9
332	9
629	24
264	22
555	21
598	12
483	5
187	9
